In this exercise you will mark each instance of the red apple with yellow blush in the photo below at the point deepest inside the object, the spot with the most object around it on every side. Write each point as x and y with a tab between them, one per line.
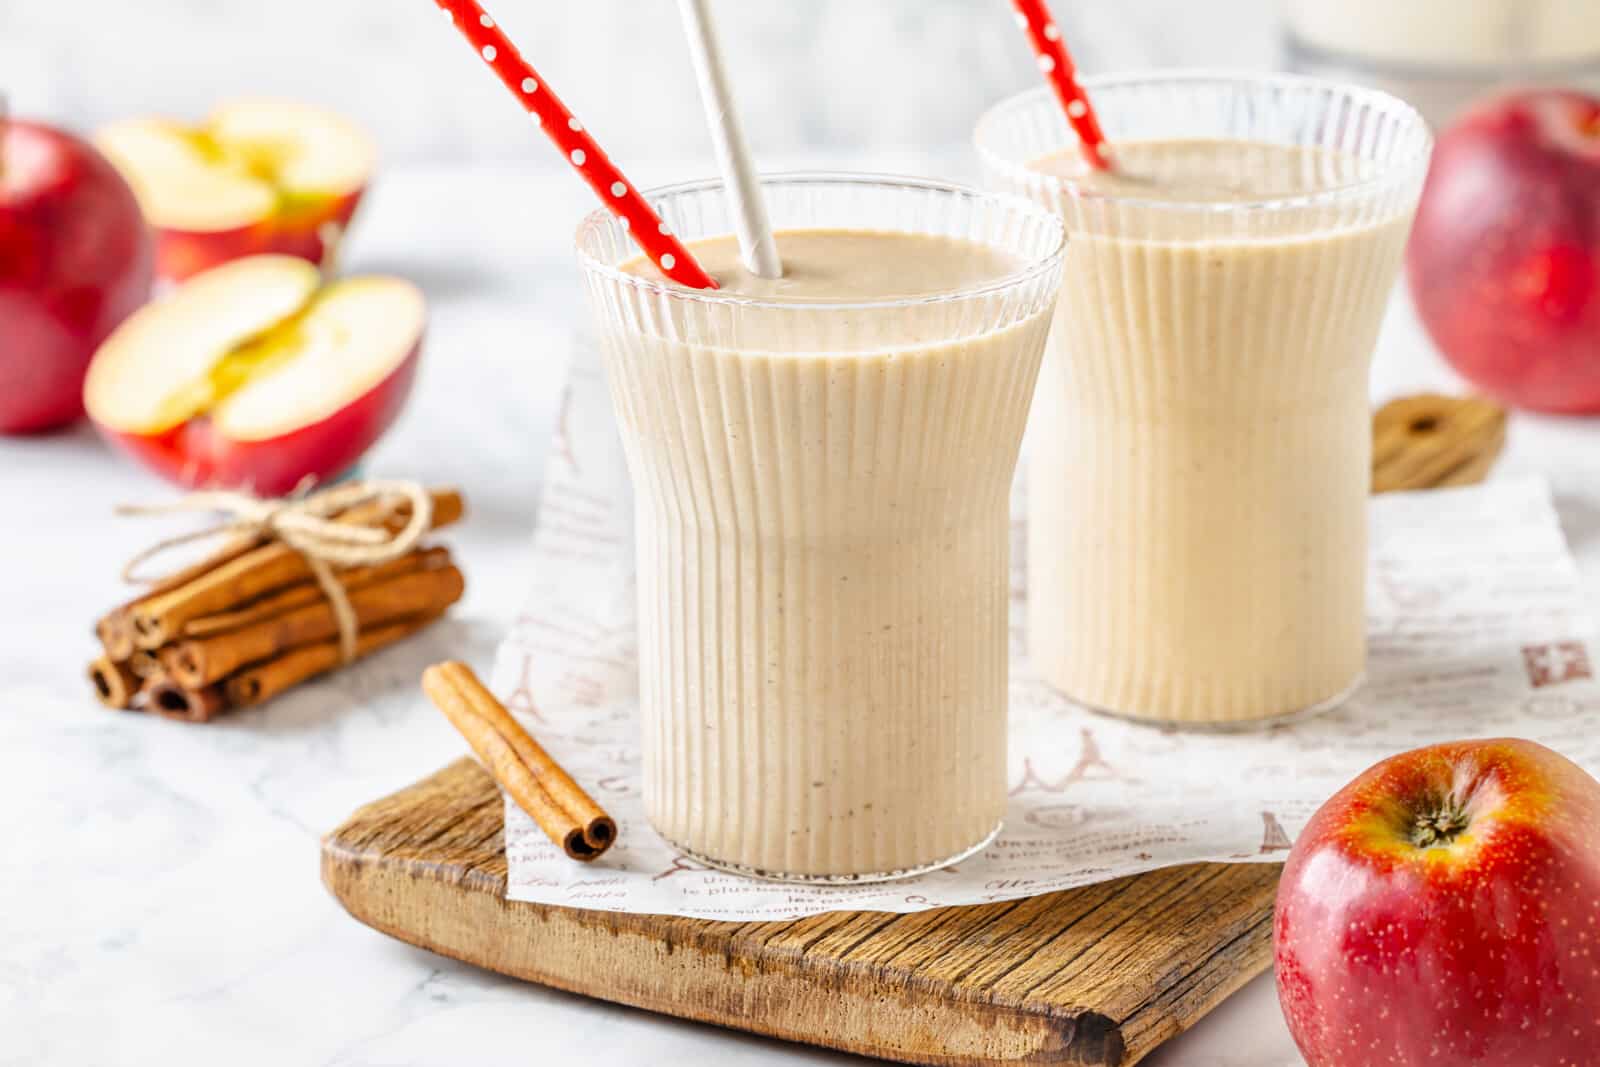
1443	909
258	374
258	176
1504	261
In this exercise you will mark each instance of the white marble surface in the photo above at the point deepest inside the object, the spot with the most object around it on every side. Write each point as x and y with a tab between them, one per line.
159	894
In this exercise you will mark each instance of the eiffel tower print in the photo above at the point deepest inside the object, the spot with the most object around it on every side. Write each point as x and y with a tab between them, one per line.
1091	764
520	702
1273	837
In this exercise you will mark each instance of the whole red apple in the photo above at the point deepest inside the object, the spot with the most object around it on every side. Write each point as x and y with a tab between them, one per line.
75	260
1444	909
1505	258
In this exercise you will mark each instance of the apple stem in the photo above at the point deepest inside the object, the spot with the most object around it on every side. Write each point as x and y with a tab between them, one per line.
1440	827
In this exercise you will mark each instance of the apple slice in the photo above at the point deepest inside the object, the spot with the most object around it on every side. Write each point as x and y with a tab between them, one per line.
255	375
258	176
311	154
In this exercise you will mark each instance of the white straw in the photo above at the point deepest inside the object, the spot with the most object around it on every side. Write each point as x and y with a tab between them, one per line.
733	154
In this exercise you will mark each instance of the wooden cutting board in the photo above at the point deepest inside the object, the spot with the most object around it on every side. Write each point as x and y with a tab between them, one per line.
1099	975
1094	976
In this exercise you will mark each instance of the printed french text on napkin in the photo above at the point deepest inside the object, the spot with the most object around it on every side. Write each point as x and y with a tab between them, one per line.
1476	629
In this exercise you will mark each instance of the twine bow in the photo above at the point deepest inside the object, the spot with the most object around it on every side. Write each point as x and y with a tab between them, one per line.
306	522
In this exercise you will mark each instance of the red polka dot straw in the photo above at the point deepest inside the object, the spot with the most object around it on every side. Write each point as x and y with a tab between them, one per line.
1045	35
575	144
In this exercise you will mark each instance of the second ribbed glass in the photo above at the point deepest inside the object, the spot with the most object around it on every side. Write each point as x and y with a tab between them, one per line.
1199	466
822	534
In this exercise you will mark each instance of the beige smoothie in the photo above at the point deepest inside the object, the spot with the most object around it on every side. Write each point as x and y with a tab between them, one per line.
1442	55
1197	483
821	481
1450	33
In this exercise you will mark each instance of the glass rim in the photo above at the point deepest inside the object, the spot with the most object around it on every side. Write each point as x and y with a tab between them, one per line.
1390	171
1031	271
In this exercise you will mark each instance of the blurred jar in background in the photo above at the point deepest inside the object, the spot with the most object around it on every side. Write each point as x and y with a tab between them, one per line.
1441	54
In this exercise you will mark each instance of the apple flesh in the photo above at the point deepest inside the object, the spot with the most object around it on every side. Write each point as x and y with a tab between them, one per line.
259	176
75	260
1504	261
1444	908
256	375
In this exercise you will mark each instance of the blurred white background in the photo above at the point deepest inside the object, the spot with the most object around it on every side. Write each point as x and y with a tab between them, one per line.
812	74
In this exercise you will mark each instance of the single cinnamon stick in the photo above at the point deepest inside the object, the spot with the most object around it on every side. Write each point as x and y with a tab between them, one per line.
267	569
114	682
166	659
205	660
296	596
537	784
168	697
143	663
262	682
115	630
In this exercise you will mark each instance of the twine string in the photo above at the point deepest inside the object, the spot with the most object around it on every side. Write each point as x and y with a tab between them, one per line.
306	522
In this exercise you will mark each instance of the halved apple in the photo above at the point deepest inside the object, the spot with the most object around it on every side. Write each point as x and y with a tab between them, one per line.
256	375
257	176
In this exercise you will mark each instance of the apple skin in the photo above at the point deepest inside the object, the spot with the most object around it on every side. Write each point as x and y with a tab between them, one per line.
1481	953
75	260
181	254
1504	260
196	456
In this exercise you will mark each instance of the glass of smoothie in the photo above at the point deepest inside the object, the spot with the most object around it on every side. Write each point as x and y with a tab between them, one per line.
821	465
1442	54
1199	459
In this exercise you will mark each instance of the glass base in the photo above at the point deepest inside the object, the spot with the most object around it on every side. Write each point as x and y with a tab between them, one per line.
1439	91
834	879
1227	726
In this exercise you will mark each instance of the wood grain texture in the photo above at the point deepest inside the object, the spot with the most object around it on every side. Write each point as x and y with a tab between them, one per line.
1094	976
1430	441
1099	975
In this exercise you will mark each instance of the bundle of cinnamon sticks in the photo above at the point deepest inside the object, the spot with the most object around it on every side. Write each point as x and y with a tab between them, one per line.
251	620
